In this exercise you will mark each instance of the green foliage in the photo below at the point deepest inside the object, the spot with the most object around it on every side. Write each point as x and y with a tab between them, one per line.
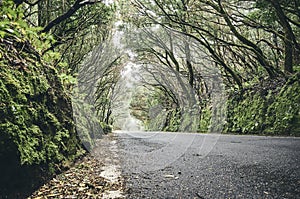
283	115
106	128
12	25
9	17
205	119
173	121
264	13
244	120
274	113
36	124
68	81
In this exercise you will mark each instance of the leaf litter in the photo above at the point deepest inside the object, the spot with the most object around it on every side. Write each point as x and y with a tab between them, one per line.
83	180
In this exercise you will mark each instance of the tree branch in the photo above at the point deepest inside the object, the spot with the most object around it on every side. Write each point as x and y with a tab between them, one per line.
77	5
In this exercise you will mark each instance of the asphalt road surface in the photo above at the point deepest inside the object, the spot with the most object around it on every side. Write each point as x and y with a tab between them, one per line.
182	165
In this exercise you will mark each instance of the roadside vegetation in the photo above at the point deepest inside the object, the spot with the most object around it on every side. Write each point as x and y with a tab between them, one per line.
38	135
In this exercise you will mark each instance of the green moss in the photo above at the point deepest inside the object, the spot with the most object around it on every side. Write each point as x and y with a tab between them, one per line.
249	114
273	113
173	120
283	113
36	123
205	120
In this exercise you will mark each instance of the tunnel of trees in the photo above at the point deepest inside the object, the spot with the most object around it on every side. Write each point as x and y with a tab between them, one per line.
61	74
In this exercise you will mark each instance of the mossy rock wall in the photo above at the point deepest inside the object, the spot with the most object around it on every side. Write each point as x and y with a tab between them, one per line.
273	111
37	133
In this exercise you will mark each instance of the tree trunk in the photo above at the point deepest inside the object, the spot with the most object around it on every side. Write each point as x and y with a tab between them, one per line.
188	62
290	42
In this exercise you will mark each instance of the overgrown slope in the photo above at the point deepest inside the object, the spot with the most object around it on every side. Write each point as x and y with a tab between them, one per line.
37	132
272	109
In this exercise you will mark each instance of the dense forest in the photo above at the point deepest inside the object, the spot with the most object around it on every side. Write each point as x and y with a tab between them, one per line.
198	66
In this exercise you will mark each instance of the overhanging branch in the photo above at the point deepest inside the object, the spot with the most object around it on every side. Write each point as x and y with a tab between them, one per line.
77	5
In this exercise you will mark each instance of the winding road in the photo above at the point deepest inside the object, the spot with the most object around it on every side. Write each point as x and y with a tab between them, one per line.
187	165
